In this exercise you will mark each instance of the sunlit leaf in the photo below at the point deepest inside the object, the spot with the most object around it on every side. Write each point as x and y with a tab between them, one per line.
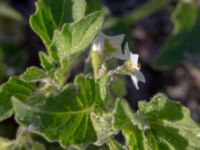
103	127
118	87
75	37
33	74
130	125
45	61
13	88
52	14
167	125
65	117
170	124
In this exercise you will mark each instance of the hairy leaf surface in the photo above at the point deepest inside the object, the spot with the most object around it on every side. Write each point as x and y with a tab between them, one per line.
171	126
167	125
130	125
75	37
13	88
33	74
45	61
52	14
64	117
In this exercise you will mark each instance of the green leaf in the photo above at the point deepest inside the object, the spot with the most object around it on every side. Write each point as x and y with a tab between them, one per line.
130	125
33	74
45	61
103	126
184	41
113	144
118	86
62	73
51	15
168	125
65	117
75	37
24	141
14	87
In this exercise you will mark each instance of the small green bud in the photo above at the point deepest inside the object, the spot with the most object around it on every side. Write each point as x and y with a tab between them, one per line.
97	58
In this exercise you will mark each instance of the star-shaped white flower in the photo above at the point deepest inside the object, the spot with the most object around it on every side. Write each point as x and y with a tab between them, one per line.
123	56
110	46
138	76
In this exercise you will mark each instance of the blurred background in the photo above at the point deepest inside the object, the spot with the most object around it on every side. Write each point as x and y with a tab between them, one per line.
165	33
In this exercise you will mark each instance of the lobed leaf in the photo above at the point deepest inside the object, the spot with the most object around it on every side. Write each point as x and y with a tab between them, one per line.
75	37
167	125
130	125
171	126
51	15
33	74
64	117
13	88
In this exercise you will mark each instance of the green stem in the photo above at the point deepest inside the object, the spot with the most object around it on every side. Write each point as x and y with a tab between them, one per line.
22	136
113	144
96	62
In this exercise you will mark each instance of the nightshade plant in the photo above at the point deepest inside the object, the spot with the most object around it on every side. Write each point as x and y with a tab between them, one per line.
84	114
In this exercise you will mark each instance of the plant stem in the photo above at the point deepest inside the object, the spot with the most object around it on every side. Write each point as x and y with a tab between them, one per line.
113	144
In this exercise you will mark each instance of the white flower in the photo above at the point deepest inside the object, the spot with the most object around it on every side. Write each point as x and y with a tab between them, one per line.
113	45
110	46
138	76
120	55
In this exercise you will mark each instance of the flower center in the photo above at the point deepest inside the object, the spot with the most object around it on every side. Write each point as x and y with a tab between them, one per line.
139	65
109	49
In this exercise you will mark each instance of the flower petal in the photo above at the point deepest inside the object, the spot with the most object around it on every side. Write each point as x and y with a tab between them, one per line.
120	55
98	44
134	60
140	76
116	41
123	56
135	82
127	51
